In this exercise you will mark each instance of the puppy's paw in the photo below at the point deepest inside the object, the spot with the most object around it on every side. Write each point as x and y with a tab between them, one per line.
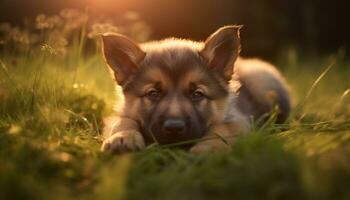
209	147
123	141
201	148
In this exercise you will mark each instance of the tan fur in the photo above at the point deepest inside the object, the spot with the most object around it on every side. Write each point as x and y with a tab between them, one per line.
266	86
254	88
260	77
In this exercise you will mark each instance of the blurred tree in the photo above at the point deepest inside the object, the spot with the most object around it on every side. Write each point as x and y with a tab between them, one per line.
313	26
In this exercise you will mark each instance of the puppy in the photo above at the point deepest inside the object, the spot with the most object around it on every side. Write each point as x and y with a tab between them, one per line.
177	90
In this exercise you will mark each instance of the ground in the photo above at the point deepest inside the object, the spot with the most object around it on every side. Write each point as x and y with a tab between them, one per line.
51	111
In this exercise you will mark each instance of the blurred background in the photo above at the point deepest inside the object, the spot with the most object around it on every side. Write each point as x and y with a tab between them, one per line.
312	27
55	91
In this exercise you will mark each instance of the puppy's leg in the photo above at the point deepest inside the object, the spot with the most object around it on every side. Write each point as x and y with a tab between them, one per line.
220	137
122	135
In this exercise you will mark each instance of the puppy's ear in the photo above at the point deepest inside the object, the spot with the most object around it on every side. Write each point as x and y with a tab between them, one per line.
221	50
122	55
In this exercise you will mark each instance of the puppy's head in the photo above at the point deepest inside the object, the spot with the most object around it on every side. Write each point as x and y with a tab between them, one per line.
175	89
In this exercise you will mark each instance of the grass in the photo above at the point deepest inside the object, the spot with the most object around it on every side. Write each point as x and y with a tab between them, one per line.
51	111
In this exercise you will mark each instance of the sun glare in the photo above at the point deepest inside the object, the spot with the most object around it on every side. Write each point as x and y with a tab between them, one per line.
103	5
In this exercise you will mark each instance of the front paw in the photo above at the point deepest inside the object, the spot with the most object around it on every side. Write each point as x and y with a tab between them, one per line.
123	141
209	146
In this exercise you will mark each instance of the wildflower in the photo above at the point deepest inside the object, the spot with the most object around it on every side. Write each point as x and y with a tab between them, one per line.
54	21
41	22
19	36
57	39
69	13
56	44
48	48
73	20
100	28
139	31
5	29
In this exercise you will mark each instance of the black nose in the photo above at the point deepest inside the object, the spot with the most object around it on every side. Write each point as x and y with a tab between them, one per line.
174	125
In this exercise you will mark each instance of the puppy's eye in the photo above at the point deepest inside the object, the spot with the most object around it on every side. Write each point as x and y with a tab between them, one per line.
197	96
153	94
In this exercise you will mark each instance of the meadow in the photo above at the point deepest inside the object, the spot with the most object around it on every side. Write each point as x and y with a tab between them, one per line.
55	90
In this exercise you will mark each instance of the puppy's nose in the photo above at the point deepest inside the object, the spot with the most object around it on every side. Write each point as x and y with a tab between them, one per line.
174	125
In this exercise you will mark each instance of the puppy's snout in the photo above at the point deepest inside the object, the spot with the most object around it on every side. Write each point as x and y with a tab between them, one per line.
174	125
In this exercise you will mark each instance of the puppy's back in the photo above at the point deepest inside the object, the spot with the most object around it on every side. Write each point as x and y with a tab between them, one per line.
262	88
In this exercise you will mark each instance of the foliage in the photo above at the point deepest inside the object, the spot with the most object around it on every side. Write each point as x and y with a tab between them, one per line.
51	110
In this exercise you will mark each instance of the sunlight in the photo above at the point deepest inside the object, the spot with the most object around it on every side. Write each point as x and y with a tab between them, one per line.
115	99
103	5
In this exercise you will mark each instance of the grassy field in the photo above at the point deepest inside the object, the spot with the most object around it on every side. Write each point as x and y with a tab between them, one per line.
51	110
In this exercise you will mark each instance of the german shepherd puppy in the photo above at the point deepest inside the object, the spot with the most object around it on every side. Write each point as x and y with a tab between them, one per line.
177	90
